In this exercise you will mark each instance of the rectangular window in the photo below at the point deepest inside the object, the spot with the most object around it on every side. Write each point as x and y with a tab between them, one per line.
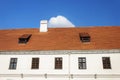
106	63
13	63
35	63
82	63
58	63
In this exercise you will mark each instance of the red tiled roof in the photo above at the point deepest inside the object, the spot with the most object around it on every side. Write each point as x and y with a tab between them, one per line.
61	39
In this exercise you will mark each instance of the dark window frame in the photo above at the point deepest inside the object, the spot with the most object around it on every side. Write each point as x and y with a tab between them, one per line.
13	64
106	62
58	62
35	63
82	63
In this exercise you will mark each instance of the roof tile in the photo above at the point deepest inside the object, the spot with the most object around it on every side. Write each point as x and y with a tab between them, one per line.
62	39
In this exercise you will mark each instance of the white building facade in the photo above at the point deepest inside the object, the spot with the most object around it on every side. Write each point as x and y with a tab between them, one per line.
92	66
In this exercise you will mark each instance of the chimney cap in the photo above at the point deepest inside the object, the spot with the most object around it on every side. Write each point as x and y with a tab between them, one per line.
44	21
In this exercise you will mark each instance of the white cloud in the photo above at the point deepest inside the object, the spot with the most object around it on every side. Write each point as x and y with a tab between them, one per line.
59	21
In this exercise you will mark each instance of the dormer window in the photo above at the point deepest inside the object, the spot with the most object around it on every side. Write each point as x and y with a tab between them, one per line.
84	37
24	38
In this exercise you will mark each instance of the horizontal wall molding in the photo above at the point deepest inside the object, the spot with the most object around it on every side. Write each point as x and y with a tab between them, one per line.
58	52
63	75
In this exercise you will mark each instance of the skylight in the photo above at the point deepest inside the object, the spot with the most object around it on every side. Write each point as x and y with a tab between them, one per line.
24	38
84	37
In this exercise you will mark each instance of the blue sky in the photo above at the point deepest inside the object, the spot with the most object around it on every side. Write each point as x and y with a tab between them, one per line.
28	13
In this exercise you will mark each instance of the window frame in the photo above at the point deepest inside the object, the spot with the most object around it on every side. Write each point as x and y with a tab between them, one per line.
58	63
13	64
106	63
35	63
82	64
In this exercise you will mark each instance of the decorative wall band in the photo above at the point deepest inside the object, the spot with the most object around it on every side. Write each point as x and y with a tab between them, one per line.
63	75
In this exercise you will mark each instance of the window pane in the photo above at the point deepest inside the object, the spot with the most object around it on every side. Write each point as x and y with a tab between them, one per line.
84	65
83	59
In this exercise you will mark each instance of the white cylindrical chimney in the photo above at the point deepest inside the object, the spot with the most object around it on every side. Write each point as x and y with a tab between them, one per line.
43	26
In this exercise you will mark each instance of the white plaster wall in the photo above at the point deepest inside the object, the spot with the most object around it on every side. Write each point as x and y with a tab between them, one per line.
46	66
94	64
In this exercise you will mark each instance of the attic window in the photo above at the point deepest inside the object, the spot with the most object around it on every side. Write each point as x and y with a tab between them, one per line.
84	37
24	38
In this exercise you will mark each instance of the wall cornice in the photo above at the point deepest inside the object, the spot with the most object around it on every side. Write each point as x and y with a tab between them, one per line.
60	52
